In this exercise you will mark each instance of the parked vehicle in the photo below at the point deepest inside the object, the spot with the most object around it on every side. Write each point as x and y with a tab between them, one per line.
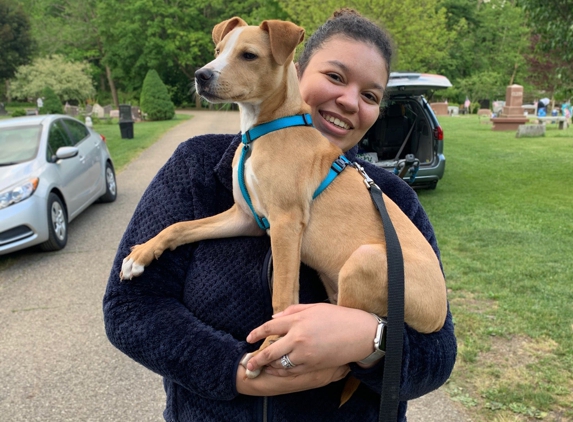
407	138
51	169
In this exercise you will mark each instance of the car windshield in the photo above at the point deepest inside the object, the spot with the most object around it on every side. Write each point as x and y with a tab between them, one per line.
18	144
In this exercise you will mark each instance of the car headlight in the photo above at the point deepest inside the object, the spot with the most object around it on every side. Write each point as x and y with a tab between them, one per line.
18	193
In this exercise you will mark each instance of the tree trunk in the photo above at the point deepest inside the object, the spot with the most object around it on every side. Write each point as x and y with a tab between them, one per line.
513	74
8	98
112	87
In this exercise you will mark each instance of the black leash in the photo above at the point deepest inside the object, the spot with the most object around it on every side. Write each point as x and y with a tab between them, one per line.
395	334
389	398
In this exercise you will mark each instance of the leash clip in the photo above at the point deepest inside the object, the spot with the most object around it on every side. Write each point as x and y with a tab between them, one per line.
367	180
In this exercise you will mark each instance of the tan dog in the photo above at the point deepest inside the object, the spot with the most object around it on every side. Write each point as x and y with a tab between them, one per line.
344	239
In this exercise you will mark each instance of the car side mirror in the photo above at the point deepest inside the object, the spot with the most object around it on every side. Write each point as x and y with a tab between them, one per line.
66	152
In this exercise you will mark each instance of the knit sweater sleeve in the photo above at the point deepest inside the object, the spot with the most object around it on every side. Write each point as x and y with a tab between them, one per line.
428	359
145	318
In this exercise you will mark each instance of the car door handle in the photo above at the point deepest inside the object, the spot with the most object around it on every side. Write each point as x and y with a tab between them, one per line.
82	159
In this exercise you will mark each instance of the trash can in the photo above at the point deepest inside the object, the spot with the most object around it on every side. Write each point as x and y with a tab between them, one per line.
125	121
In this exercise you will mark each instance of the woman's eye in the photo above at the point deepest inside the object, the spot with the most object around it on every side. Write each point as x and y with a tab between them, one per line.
334	76
371	97
249	56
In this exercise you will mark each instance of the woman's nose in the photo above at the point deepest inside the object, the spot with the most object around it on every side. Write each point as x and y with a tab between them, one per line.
348	99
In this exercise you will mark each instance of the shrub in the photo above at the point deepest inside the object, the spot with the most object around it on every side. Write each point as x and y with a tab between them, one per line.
155	100
69	80
18	112
52	104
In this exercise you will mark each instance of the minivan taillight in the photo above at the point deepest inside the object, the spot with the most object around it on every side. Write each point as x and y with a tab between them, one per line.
103	138
439	133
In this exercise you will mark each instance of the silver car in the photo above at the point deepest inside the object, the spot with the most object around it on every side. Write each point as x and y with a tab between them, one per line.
51	169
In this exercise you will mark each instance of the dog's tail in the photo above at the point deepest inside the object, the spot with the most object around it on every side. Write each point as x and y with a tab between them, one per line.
349	388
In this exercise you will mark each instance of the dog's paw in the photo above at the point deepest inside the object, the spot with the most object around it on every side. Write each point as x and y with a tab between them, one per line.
249	374
130	269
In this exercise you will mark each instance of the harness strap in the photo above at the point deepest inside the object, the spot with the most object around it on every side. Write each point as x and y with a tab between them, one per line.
337	166
251	135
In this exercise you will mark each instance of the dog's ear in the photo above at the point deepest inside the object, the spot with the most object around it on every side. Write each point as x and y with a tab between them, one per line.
223	28
284	37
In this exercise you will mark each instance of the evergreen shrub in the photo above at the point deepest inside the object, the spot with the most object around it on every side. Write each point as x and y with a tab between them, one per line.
155	100
52	104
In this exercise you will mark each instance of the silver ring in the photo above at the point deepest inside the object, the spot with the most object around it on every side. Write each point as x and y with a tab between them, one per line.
286	363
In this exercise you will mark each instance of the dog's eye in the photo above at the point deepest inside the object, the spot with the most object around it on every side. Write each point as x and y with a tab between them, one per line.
249	56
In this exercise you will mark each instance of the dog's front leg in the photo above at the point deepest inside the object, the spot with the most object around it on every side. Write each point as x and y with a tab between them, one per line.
231	223
286	233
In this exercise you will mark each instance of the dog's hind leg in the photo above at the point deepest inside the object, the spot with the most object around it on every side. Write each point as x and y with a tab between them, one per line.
362	285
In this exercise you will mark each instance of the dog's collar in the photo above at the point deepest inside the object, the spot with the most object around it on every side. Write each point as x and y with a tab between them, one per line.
281	123
256	132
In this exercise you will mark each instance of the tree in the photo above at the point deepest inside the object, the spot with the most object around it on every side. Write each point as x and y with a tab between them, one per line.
172	36
155	100
552	21
417	28
52	104
69	80
549	72
16	43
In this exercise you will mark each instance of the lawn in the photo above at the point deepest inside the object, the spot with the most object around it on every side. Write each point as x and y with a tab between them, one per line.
503	215
123	151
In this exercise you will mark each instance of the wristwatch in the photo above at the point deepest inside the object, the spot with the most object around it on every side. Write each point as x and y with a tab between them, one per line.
379	342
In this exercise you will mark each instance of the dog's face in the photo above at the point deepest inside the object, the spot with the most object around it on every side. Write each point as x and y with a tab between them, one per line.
250	61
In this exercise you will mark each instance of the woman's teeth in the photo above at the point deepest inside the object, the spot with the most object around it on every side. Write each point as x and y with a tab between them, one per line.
336	122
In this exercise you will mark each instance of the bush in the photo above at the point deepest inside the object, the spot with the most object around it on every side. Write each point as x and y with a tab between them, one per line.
155	100
52	104
18	112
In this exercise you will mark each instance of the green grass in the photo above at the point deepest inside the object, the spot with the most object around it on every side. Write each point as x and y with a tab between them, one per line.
123	151
503	215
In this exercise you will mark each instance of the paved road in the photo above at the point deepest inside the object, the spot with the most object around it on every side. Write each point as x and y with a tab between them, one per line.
55	361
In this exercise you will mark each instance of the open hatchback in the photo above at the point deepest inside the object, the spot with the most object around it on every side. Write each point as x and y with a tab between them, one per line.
407	138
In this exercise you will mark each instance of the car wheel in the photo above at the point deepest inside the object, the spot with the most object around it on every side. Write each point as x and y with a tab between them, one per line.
110	185
57	225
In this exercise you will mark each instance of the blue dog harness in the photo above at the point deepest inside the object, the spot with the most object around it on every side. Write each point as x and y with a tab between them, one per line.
284	122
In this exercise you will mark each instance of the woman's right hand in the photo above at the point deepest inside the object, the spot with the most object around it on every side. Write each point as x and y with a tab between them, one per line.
272	385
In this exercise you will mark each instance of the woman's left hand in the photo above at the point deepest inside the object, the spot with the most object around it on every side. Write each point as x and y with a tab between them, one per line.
314	336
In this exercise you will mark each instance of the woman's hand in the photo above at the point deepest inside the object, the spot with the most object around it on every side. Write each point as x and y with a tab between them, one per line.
315	337
270	385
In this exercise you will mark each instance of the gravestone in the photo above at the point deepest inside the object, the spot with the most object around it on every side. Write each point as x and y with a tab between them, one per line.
135	113
107	110
440	109
98	111
3	111
71	110
453	110
511	115
89	109
530	131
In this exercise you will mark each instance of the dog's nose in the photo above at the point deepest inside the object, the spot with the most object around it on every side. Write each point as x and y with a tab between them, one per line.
203	74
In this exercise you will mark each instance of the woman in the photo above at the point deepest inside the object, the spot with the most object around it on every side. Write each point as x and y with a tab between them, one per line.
195	312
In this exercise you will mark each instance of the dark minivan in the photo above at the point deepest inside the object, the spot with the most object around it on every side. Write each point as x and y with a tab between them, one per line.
407	138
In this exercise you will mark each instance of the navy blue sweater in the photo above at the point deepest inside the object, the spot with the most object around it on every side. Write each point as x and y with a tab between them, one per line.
187	317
